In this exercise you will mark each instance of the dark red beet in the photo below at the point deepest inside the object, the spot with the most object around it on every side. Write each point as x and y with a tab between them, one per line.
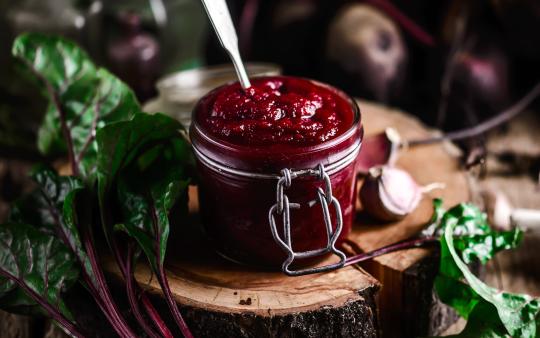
367	47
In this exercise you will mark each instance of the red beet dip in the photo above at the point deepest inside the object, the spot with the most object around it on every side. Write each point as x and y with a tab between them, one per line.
276	111
279	122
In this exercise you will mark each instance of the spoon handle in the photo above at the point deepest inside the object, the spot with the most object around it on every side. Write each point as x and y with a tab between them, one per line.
221	21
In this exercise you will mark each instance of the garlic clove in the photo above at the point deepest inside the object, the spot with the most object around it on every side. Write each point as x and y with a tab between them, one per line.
389	194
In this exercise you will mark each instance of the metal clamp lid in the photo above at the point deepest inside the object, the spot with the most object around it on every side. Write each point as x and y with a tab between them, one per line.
282	207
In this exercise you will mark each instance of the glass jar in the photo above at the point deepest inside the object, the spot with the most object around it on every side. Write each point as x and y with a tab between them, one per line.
238	186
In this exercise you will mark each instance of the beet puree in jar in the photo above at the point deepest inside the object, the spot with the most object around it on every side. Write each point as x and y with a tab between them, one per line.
246	141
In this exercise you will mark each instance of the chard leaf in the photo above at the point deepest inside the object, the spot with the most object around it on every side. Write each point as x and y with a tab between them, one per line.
483	247
473	237
457	294
72	225
468	220
483	323
35	267
50	209
82	97
120	143
466	236
43	207
518	313
142	162
151	228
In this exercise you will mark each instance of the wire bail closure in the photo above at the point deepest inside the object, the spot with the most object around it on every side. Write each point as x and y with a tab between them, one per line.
282	208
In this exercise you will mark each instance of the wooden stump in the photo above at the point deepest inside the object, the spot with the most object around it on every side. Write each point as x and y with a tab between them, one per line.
222	299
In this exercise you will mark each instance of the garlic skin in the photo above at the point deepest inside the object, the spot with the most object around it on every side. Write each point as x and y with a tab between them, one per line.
389	194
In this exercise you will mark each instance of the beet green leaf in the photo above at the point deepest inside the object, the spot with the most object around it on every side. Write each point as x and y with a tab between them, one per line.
466	237
43	207
35	269
82	97
142	164
518	313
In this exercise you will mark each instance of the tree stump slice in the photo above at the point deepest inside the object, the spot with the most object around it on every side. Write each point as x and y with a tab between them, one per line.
223	299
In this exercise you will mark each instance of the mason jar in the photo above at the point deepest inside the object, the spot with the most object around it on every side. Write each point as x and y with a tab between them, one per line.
277	205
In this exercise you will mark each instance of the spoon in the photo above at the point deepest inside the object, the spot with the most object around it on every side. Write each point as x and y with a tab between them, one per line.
221	21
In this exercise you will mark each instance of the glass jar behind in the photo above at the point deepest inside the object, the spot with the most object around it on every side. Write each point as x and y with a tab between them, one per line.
237	188
180	91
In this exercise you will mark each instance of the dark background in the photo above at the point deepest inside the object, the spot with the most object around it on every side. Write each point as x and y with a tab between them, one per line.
451	63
